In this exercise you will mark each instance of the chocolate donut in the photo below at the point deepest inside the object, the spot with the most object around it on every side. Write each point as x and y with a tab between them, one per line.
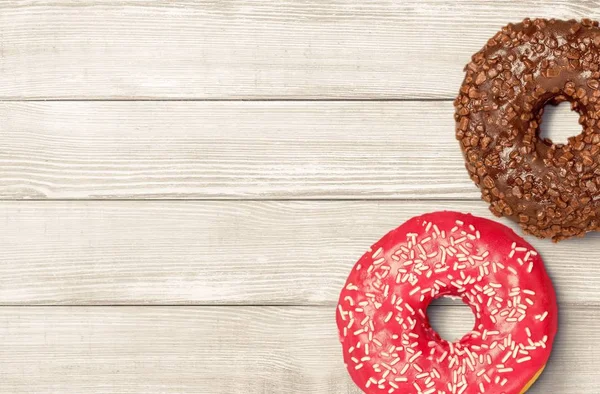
390	347
551	190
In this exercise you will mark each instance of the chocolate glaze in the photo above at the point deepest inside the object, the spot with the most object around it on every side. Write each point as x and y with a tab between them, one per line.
551	190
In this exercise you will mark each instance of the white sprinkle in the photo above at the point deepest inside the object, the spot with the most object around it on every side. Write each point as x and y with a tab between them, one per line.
505	370
342	313
440	283
377	253
460	240
415	356
543	316
350	323
443	356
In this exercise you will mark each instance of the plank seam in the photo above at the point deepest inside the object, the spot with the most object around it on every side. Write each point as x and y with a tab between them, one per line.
8	100
237	199
330	306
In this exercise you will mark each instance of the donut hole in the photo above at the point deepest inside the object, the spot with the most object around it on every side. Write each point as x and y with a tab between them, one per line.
451	318
559	123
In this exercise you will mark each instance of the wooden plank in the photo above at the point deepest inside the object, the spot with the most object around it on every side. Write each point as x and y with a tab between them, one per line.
225	350
241	49
246	253
258	150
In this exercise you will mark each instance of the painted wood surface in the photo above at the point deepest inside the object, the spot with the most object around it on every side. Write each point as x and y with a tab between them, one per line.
243	253
251	49
236	150
184	185
225	350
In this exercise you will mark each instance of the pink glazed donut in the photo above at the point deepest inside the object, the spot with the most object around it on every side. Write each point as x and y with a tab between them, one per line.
389	345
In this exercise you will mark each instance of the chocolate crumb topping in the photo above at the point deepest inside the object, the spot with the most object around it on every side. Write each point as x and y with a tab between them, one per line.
551	190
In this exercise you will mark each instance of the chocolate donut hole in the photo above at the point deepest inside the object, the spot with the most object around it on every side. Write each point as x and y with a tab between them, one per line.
552	133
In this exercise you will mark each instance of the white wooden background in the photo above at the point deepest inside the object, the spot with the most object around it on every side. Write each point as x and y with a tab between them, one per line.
184	185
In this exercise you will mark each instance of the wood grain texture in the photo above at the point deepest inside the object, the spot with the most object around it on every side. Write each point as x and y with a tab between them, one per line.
234	150
137	49
135	267
246	253
225	350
